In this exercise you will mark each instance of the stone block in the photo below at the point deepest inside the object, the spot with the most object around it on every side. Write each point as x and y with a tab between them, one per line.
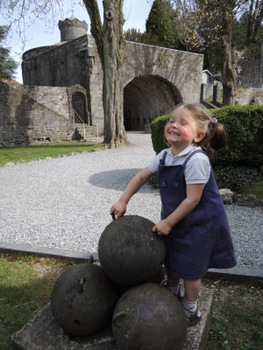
43	333
226	195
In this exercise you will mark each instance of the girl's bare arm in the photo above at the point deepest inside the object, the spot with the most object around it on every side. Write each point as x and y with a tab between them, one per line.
193	196
119	208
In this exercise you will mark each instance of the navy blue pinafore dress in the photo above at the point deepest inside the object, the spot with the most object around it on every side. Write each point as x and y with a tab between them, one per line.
201	240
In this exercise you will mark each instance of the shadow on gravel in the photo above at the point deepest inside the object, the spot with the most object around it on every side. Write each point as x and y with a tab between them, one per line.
117	179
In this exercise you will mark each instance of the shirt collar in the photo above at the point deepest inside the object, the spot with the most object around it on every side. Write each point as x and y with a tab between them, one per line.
185	151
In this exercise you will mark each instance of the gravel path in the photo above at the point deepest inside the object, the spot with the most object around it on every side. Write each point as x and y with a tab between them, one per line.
64	202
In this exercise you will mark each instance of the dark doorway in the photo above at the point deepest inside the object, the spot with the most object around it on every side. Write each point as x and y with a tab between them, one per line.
147	97
127	120
79	106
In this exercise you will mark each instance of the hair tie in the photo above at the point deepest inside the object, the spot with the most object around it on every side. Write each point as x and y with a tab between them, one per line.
213	121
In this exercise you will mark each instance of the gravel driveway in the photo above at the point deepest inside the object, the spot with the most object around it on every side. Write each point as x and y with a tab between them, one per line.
64	202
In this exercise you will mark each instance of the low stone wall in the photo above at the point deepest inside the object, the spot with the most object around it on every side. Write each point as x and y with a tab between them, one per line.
250	96
249	200
31	115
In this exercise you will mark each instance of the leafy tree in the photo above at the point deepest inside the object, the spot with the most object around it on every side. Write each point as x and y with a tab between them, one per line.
161	24
138	37
133	35
213	25
7	64
254	49
109	41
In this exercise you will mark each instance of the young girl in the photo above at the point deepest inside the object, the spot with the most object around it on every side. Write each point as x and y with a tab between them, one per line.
193	218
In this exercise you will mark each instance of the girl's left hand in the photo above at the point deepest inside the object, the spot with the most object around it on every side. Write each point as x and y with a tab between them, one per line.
162	228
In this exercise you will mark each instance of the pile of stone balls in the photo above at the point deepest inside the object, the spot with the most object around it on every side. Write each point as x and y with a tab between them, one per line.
126	290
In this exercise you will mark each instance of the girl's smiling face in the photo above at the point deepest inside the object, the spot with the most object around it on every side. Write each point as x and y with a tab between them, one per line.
182	130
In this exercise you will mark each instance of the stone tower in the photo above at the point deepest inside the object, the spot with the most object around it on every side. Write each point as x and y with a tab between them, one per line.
71	28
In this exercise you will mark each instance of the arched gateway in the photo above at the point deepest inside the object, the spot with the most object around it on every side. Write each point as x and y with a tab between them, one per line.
145	98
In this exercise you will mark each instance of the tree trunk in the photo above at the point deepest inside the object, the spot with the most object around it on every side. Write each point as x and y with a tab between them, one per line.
110	44
229	77
113	61
229	71
228	95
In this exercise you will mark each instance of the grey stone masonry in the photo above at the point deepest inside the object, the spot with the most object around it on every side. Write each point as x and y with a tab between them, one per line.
71	28
32	114
155	78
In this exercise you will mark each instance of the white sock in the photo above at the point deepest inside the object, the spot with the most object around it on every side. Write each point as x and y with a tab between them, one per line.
189	306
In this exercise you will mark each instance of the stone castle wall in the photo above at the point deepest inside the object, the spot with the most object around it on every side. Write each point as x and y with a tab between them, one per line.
166	76
250	96
180	68
58	65
155	80
30	115
71	28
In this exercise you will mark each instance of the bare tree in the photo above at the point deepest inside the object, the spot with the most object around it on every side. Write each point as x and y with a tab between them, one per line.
219	17
110	44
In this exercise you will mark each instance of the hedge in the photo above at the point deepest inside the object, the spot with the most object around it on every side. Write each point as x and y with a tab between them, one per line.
244	127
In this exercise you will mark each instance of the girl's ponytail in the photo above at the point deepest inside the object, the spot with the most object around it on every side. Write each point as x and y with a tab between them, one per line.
215	138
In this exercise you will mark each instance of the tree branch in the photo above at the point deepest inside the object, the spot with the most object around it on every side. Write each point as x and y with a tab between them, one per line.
96	24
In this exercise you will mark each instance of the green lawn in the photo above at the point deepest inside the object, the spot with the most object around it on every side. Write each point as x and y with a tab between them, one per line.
28	153
256	188
26	284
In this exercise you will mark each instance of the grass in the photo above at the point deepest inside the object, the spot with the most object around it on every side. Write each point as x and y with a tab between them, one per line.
26	285
29	153
256	188
237	316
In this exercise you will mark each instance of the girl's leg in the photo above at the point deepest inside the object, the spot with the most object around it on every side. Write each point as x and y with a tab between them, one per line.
174	284
172	279
192	289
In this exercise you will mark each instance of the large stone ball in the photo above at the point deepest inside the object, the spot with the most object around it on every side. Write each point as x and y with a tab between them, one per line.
83	299
149	317
129	252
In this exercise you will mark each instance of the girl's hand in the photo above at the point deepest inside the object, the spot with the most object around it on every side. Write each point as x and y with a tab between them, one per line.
118	208
162	228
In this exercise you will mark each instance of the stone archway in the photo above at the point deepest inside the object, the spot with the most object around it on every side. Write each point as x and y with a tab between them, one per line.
146	98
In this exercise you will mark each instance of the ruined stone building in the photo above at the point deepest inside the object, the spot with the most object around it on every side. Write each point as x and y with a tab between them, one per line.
63	87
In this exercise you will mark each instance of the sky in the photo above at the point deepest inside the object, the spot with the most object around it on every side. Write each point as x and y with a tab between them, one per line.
42	33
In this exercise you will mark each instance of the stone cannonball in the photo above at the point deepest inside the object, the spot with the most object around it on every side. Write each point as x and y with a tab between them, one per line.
129	252
149	317
83	299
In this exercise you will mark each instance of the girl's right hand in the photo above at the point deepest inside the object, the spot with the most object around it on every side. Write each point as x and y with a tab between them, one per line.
118	208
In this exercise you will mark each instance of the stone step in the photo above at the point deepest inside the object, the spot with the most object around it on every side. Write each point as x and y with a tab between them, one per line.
90	131
42	332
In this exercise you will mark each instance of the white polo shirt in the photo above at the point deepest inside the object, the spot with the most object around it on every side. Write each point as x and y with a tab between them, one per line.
197	170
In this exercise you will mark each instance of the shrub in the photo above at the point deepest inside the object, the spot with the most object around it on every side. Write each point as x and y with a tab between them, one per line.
234	178
244	127
157	129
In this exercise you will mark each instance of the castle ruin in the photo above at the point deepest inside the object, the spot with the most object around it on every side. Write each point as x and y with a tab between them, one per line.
62	87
